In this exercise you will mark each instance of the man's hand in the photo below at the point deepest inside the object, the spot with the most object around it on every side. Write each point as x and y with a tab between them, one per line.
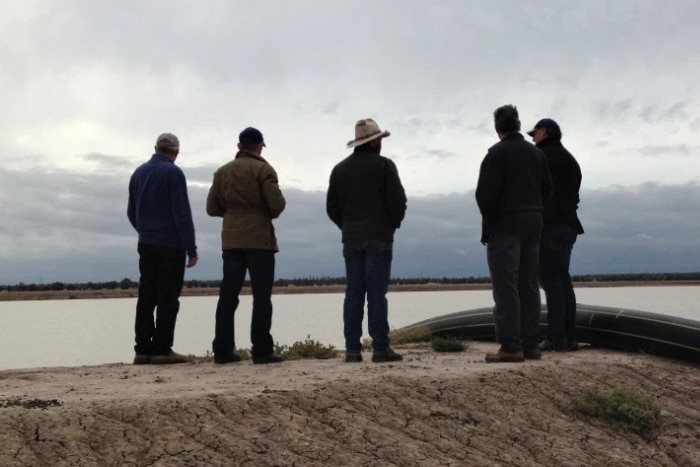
192	261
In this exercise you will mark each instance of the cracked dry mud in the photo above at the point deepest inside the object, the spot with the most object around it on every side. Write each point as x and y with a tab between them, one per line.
430	410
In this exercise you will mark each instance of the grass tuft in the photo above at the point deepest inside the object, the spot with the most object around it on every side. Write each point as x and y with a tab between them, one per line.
626	409
401	336
306	349
447	344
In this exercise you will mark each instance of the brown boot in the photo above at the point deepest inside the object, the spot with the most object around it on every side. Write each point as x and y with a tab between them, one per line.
532	354
505	357
387	355
169	359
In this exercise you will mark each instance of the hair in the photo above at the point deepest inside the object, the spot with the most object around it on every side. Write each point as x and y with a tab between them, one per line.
168	150
248	146
506	119
372	145
553	133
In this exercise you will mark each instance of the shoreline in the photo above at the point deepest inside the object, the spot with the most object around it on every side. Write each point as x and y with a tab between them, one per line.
307	289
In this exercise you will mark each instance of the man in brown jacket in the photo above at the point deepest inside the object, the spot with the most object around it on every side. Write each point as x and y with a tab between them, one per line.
246	193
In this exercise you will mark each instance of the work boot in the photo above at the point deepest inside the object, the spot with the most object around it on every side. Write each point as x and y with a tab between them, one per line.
169	359
387	355
352	357
142	359
272	358
505	357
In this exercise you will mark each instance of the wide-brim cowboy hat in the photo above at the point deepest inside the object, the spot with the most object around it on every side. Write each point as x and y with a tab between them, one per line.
366	130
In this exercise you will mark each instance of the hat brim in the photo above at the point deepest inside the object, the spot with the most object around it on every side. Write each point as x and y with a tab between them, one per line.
532	132
367	139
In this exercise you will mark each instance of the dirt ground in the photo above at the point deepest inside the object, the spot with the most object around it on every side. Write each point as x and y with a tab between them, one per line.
430	410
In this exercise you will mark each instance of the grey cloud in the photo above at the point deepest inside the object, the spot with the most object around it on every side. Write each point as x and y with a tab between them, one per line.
440	154
657	114
676	111
669	150
612	111
71	227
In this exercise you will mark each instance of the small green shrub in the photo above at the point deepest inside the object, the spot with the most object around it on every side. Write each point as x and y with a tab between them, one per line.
401	336
307	348
447	344
624	408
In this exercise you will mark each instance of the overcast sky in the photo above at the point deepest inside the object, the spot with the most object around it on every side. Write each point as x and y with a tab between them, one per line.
86	86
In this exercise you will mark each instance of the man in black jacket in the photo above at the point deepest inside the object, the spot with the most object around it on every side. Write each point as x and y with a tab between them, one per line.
513	185
561	227
367	202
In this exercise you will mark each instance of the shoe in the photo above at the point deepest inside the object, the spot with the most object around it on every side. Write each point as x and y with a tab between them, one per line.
352	357
272	358
142	359
548	346
387	355
532	354
505	357
169	359
227	358
573	347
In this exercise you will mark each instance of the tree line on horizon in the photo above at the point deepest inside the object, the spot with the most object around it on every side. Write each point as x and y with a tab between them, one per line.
126	284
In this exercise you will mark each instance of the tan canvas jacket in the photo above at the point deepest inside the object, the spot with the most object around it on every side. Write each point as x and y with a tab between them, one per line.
246	193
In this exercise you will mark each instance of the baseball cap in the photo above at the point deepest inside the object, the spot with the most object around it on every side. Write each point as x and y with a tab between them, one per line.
251	136
546	123
168	141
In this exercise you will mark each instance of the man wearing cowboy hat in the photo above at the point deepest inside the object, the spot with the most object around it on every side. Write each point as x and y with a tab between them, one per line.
367	201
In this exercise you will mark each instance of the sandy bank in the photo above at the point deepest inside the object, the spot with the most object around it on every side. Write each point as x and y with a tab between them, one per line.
432	409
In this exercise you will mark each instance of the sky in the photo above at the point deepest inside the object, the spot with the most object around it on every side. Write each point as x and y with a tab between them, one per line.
87	86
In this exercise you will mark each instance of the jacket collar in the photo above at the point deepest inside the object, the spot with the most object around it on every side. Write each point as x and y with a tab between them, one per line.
244	153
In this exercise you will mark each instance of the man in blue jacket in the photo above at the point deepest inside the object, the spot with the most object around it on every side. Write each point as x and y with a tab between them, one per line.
514	184
159	210
561	227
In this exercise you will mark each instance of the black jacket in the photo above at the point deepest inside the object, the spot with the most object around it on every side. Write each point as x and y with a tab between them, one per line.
566	180
365	197
514	183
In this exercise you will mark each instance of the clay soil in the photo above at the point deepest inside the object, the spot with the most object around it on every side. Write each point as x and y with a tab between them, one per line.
429	410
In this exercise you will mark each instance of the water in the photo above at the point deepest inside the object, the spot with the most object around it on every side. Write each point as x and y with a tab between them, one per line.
90	332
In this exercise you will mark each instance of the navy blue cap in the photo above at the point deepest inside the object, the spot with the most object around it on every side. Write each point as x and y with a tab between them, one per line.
547	124
251	136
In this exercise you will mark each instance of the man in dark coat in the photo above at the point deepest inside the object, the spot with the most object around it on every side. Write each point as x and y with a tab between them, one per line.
513	185
367	202
561	227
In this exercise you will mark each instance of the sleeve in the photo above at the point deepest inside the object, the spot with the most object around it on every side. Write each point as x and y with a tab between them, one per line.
488	188
395	195
215	207
182	213
271	192
547	185
131	205
334	208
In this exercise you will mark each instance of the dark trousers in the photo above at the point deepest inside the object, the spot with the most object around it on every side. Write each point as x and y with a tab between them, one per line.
368	270
513	263
162	272
555	256
260	264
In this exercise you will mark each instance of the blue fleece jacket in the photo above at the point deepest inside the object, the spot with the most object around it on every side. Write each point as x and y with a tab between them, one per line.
159	208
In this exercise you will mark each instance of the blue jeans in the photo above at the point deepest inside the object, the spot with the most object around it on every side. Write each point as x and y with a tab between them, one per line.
513	262
368	271
555	256
260	264
162	271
